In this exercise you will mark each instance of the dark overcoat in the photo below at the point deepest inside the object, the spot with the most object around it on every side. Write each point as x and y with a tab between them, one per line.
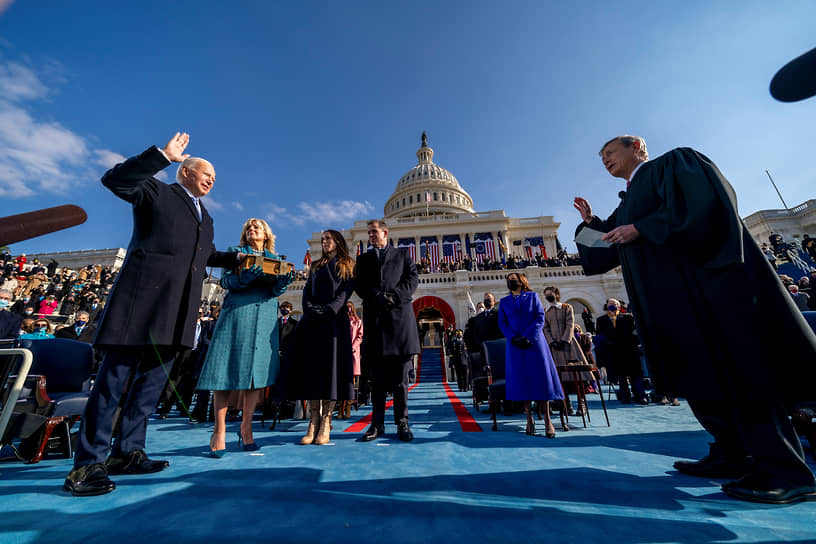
324	362
388	331
692	269
156	296
617	347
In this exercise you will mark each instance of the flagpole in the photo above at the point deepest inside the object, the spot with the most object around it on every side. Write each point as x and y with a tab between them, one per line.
777	190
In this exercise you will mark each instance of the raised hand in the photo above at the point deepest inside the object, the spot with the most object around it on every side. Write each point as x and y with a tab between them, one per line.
174	149
583	208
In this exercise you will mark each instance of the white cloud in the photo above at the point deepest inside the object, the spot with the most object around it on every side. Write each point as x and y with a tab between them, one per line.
331	213
212	204
237	205
18	82
108	159
39	156
275	214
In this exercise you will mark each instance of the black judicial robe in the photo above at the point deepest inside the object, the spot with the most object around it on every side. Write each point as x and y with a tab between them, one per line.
710	310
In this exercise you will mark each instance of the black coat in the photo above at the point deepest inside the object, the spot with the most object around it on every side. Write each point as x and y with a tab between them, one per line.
86	336
156	295
9	324
693	268
323	367
388	331
617	348
481	328
286	333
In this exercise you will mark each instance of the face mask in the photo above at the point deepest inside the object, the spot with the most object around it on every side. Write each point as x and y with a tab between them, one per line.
40	329
488	303
80	323
550	298
612	308
513	285
3	303
29	312
285	311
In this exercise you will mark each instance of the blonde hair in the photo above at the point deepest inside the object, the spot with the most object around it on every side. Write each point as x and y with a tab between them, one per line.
269	243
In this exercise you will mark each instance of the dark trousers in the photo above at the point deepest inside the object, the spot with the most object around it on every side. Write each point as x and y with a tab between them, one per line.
390	374
759	428
137	373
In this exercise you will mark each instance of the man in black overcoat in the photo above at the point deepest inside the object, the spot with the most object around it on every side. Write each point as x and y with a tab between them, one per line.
617	348
483	326
685	254
82	329
386	279
151	311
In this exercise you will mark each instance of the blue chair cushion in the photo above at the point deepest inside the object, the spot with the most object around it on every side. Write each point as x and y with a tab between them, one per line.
69	404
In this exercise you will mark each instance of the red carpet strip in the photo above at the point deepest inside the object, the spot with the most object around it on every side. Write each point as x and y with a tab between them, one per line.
466	421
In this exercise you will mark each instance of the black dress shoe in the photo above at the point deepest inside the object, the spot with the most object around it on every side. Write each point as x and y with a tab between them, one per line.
756	487
713	467
373	433
89	480
135	462
404	432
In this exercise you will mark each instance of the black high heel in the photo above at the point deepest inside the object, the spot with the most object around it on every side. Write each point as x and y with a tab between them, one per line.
216	454
530	431
247	447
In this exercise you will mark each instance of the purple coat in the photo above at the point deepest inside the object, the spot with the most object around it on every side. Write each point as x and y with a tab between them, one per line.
530	373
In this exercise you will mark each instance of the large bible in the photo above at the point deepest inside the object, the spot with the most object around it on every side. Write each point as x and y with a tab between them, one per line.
274	267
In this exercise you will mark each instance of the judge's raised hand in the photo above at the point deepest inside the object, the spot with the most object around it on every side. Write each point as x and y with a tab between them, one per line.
621	235
583	208
176	146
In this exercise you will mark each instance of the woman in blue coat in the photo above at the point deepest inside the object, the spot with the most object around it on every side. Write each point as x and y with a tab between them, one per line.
529	368
243	356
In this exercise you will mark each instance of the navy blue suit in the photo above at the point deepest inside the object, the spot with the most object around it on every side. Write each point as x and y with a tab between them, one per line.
152	308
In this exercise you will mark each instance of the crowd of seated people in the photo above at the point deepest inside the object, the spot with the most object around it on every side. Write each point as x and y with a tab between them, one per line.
424	266
45	299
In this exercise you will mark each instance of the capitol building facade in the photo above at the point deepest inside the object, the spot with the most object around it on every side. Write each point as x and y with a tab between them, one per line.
432	216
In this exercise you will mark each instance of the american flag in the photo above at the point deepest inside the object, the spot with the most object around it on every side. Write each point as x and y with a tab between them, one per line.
451	250
410	245
307	259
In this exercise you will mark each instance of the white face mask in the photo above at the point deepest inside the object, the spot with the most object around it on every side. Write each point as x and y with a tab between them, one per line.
3	303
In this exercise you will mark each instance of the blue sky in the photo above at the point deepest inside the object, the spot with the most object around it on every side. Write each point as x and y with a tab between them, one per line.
311	111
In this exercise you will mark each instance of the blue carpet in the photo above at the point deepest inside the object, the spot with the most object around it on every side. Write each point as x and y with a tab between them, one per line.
613	484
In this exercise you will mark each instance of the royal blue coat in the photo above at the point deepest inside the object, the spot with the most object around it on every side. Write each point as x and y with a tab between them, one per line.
530	373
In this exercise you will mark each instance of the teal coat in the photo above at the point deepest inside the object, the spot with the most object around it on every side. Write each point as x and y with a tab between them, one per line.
243	352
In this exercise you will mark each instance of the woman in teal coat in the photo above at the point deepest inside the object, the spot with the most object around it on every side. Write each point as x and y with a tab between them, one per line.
243	356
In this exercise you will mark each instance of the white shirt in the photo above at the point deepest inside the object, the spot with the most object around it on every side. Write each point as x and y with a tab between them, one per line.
632	176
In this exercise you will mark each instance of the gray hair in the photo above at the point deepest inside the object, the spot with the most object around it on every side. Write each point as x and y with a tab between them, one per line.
189	163
9	293
627	140
82	312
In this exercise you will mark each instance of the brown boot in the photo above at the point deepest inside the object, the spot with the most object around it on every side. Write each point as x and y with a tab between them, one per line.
347	411
314	423
324	435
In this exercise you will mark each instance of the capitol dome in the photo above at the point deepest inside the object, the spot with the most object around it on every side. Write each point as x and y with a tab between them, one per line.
427	189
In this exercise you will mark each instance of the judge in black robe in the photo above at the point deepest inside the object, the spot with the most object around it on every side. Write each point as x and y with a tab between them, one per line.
686	257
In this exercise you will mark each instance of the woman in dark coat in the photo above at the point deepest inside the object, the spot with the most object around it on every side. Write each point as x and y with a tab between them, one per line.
529	368
324	364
